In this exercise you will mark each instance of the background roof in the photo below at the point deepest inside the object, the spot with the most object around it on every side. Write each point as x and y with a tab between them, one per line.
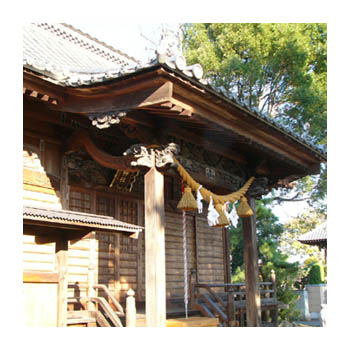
316	235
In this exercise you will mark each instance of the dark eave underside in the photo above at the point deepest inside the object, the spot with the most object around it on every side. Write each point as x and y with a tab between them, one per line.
194	125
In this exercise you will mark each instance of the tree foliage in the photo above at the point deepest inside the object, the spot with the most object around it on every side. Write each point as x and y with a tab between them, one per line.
316	274
273	68
269	232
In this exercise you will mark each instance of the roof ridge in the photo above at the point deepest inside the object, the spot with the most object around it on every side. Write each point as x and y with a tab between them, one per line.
55	29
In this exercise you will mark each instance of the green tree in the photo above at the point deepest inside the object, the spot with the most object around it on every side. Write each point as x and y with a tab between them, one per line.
269	233
275	69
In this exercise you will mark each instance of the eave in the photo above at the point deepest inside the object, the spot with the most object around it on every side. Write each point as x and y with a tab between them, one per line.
183	104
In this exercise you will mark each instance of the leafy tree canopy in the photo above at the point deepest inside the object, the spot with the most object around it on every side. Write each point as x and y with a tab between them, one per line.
269	232
275	69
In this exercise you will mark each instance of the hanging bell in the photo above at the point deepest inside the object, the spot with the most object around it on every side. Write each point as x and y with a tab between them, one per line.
244	210
222	220
187	202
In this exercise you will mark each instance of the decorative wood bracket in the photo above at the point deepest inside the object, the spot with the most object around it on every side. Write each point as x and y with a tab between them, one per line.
105	120
153	155
81	139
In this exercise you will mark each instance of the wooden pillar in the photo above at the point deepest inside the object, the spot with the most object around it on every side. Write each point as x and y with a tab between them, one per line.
139	258
64	187
117	266
155	249
228	276
62	267
250	245
227	254
91	271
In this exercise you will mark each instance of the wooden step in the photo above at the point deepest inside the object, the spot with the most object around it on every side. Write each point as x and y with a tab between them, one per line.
80	320
84	317
195	321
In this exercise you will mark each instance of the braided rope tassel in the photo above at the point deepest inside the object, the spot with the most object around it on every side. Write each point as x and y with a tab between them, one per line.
185	260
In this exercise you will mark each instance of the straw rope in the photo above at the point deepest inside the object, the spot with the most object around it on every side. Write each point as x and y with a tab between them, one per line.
217	199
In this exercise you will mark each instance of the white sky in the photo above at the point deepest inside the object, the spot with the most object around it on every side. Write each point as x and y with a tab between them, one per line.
125	37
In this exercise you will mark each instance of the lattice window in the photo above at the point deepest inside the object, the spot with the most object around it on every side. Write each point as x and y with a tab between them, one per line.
128	211
128	245
105	206
80	201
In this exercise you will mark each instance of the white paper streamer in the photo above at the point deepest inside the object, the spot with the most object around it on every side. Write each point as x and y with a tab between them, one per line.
213	215
232	216
199	200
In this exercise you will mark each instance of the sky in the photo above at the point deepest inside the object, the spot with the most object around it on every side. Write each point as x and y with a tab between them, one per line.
135	39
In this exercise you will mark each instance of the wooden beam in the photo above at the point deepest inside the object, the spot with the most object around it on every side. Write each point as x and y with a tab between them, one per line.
154	92
81	139
155	249
231	118
196	139
40	277
250	247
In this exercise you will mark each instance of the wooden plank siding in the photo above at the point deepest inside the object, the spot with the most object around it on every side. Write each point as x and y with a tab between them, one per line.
41	172
118	260
175	252
211	253
38	257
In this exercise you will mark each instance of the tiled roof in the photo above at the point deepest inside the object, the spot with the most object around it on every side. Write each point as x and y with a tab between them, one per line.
78	219
316	235
70	57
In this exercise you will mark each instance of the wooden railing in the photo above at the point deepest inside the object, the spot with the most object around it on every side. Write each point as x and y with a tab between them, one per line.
119	308
100	302
227	301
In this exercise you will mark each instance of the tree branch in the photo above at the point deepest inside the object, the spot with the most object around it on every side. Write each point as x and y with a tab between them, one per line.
292	199
282	199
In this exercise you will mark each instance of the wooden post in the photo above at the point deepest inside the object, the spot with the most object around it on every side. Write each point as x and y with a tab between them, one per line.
117	266
62	262
275	310
64	187
139	258
91	271
228	275
155	249
130	311
253	309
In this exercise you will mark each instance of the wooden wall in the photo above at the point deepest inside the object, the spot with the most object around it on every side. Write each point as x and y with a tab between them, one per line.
40	304
41	173
210	252
118	260
175	252
38	256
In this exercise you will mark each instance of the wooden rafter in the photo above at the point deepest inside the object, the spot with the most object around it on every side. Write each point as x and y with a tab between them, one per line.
38	96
